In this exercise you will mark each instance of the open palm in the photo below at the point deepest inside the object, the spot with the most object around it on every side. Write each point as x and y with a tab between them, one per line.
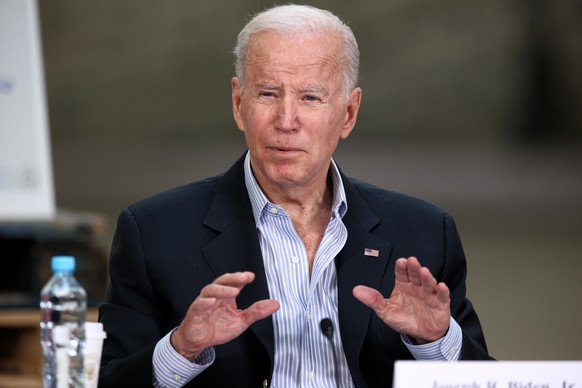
418	306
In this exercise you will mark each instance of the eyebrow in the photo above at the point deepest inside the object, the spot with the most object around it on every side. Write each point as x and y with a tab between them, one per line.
266	86
309	89
315	89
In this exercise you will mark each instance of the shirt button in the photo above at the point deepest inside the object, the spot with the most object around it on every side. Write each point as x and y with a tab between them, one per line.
274	210
295	259
265	383
453	351
311	376
176	377
308	315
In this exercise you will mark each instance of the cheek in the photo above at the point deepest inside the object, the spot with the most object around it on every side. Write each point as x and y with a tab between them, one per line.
255	116
255	126
336	129
245	117
330	139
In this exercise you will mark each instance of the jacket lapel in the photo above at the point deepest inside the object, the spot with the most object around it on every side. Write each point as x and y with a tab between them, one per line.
236	246
363	261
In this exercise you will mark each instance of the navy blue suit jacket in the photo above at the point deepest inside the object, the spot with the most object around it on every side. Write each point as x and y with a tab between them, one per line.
167	247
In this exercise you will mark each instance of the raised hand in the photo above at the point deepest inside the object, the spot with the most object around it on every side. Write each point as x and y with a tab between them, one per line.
418	306
213	318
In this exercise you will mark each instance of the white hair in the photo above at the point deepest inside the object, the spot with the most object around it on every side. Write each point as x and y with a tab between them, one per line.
292	20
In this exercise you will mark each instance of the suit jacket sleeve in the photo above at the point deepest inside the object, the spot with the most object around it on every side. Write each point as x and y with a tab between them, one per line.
131	317
454	275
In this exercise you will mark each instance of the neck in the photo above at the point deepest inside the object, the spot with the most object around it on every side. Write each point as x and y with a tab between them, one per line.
301	201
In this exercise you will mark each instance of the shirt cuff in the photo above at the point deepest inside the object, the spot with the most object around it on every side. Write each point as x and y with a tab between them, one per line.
173	370
447	348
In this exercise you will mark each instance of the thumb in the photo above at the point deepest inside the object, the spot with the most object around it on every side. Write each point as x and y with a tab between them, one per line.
369	296
260	310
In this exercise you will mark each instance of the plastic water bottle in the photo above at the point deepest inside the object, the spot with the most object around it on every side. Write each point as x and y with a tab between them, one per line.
63	304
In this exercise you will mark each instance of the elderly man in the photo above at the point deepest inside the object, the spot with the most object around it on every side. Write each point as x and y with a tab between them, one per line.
224	282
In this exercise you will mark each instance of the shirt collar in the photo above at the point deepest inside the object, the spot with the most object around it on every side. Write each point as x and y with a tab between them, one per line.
259	201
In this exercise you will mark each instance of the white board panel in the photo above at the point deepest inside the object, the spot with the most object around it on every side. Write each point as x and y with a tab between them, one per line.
26	182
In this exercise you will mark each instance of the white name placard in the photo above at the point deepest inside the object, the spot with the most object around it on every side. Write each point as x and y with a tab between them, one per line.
488	374
26	183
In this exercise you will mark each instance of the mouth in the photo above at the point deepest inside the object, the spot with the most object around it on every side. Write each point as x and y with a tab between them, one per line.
285	150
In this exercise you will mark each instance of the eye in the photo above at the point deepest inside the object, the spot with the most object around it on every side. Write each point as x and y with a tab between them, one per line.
311	98
266	94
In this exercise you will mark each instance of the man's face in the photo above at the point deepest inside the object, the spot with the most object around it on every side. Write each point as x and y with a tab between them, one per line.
292	108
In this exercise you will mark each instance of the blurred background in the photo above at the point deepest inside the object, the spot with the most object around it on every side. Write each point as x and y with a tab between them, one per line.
475	106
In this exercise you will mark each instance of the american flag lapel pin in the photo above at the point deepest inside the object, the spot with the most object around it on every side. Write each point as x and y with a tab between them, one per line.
371	252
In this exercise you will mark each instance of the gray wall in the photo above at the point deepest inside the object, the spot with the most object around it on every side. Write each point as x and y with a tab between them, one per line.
474	106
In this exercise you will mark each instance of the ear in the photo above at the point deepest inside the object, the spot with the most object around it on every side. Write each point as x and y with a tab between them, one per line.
236	102
352	110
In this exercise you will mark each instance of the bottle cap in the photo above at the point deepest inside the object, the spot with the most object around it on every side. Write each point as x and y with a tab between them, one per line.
63	264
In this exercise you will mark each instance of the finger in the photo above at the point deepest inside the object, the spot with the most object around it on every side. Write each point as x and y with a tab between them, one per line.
260	310
413	269
235	279
228	285
201	305
443	293
371	298
428	281
219	291
401	271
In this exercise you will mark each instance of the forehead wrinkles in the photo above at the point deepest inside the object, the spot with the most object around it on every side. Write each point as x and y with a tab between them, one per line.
269	53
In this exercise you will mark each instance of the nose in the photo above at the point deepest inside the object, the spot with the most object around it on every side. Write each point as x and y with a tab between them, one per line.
287	115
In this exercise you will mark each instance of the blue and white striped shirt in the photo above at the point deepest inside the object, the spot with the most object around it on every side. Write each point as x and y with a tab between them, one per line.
302	354
303	357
